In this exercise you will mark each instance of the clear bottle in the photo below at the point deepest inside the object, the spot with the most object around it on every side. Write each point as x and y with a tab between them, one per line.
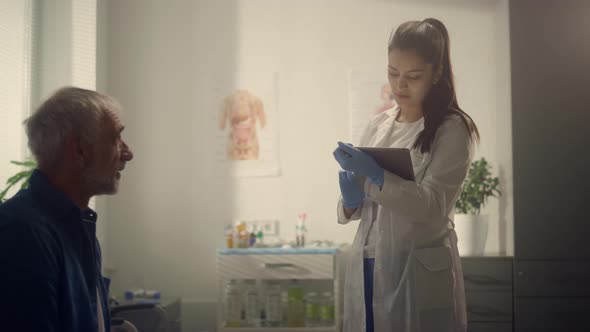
327	309
295	305
229	236
251	306
243	235
312	309
301	230
233	304
272	304
297	236
284	306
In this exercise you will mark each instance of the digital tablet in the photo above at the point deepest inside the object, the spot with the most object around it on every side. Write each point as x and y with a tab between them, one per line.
395	160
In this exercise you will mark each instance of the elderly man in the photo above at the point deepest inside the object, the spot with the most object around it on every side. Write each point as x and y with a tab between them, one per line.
50	262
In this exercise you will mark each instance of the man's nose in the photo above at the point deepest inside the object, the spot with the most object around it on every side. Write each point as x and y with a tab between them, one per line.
126	153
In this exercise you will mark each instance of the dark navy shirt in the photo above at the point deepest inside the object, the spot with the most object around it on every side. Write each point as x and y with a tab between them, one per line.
50	263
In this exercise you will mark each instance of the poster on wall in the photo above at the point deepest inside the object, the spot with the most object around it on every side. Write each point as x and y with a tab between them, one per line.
246	122
369	94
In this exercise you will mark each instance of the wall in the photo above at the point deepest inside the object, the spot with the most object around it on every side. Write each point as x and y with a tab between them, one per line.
501	234
15	68
64	54
168	219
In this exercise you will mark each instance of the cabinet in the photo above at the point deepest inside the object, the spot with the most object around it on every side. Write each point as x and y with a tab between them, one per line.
488	293
550	65
315	270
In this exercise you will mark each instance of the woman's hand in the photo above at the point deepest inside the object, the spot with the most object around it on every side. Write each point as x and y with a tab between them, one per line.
360	163
352	195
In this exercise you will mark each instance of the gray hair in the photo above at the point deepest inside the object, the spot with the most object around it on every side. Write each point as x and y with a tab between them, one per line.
70	111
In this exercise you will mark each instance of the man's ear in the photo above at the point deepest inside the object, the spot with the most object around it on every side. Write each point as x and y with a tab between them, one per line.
75	150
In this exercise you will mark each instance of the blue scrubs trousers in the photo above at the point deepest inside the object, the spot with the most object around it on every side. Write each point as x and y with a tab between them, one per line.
368	267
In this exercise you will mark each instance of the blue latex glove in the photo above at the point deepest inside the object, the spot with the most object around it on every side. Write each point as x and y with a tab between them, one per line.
358	162
352	195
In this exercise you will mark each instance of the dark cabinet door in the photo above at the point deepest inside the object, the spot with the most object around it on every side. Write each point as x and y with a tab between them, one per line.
550	66
550	69
551	314
564	279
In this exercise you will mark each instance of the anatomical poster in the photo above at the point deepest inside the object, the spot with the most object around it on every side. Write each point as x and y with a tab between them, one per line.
247	124
369	94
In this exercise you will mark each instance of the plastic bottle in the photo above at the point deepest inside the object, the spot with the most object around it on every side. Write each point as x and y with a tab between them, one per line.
243	235
251	307
252	238
229	236
300	229
327	309
303	234
260	237
312	309
272	304
284	306
295	305
233	304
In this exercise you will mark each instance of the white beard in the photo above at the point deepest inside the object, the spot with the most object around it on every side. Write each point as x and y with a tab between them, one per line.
100	185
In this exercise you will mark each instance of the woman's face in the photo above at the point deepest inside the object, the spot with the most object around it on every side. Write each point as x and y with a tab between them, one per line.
410	77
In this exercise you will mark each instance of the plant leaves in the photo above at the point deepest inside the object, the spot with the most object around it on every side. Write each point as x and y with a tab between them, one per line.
17	177
28	163
478	186
29	166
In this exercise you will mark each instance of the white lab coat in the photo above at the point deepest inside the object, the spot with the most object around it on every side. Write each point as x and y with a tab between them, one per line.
418	279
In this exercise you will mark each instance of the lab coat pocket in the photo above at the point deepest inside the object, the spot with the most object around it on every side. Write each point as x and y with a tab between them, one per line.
433	288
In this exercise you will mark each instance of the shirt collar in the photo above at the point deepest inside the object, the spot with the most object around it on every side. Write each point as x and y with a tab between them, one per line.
392	112
55	201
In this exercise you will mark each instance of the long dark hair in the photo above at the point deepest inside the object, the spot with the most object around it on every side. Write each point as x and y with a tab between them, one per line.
429	39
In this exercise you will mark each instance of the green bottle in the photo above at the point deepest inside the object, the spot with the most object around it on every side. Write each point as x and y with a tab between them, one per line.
295	305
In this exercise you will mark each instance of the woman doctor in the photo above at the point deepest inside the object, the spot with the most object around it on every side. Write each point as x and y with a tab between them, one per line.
404	261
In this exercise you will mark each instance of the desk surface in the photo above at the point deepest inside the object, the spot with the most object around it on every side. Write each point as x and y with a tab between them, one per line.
279	251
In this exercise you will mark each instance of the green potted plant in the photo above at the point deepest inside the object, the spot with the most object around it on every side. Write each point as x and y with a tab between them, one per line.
22	176
470	225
